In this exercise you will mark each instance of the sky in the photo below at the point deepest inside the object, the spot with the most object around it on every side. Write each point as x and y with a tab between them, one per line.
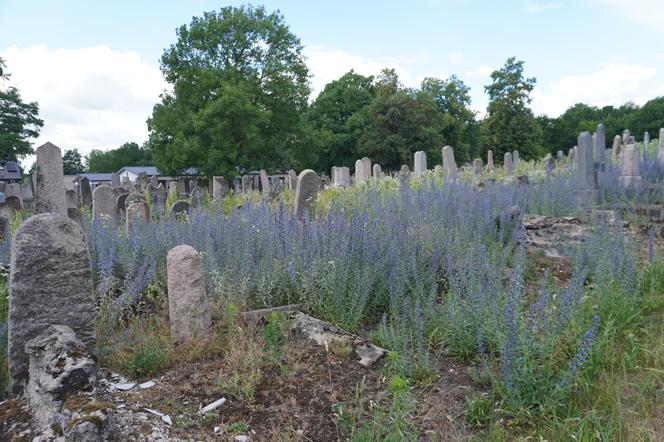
93	66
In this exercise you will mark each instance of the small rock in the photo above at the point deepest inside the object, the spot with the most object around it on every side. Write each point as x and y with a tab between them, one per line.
241	438
216	404
124	387
148	384
167	419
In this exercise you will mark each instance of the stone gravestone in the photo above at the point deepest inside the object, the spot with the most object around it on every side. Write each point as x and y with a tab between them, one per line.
50	283
449	163
306	193
377	172
137	213
341	177
188	308
126	184
660	150
420	162
103	204
515	158
49	181
180	208
599	147
121	204
477	166
115	180
550	162
292	180
219	187
142	181
630	168
571	153
246	183
489	160
560	156
404	177
134	198
154	180
508	165
646	140
197	197
13	202
85	191
585	175
265	182
615	148
626	136
160	195
362	170
26	192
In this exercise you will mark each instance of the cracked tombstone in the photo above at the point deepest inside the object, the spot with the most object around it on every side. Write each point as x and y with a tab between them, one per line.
188	307
49	181
306	192
50	283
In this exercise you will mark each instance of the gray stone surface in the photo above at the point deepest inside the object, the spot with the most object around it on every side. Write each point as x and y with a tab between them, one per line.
103	204
341	177
265	182
219	187
630	167
420	164
121	202
188	307
404	177
489	160
247	183
477	166
49	181
515	158
646	140
14	203
292	180
449	163
50	283
377	172
197	197
308	183
615	148
599	145
362	170
115	180
136	214
26	191
508	164
660	150
585	179
626	136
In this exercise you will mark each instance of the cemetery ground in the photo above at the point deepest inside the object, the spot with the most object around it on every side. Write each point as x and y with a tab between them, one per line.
515	303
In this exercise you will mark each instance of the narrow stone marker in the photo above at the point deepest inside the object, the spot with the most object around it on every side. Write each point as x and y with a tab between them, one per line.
137	213
404	177
508	164
85	191
660	149
449	163
188	307
377	172
362	170
103	204
308	183
49	181
340	177
489	160
50	283
420	164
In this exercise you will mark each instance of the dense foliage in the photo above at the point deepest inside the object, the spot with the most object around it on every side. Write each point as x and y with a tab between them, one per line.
129	154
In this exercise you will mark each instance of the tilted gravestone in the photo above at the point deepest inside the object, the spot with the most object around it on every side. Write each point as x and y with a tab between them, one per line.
180	208
136	214
50	283
49	181
85	191
449	163
306	192
420	164
103	204
188	308
615	148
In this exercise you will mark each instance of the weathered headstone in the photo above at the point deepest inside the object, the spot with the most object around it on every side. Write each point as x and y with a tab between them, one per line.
180	208
626	137
126	183
449	163
571	153
160	194
477	166
142	180
560	156
508	165
121	203
341	177
137	213
265	182
585	174
50	283
115	180
26	192
660	150
154	180
219	187
646	140
404	177
599	147
615	148
85	191
377	172
550	162
420	162
188	308
515	158
630	167
489	160
103	204
197	197
49	181
292	180
362	170
247	183
306	193
117	191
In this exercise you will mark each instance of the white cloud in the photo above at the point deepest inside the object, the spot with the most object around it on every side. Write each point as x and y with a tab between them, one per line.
326	65
649	12
456	57
532	6
92	97
612	85
482	71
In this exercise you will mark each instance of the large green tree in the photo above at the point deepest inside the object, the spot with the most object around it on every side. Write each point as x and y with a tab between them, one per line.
239	87
510	123
72	163
108	161
400	122
452	97
19	121
337	118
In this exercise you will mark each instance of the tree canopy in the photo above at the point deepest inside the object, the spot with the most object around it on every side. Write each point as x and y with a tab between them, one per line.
108	161
240	87
72	163
19	121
